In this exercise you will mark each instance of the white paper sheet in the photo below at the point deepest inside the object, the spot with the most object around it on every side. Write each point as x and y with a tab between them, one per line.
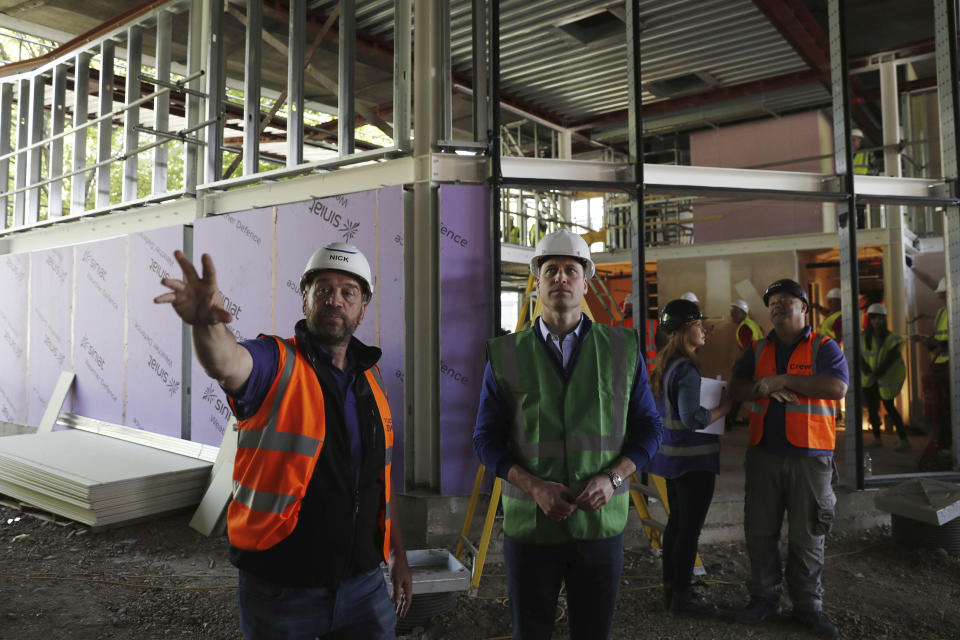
710	391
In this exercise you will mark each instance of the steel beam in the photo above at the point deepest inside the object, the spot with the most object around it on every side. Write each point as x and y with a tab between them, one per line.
481	102
81	95
131	135
57	119
847	232
346	109
251	87
946	30
161	105
295	46
35	155
105	128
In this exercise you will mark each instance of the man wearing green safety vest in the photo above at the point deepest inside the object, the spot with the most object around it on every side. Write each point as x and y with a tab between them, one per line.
566	416
882	373
939	345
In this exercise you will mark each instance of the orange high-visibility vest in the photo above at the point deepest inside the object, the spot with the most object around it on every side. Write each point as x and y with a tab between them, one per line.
811	423
277	451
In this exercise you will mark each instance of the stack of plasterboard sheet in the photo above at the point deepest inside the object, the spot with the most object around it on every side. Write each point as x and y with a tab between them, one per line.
98	480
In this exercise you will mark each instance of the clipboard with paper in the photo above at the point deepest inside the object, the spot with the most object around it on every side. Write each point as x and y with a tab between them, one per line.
710	392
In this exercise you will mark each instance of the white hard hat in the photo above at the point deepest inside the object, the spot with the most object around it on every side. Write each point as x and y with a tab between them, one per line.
340	256
856	133
562	243
741	304
834	293
876	309
691	297
941	286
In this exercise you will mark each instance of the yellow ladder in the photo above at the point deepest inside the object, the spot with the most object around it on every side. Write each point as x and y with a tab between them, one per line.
639	495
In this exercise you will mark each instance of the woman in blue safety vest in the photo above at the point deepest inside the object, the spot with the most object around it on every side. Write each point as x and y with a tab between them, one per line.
883	373
688	460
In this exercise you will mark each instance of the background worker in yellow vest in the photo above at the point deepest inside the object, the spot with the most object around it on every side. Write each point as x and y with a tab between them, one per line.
793	379
861	166
832	325
566	416
939	346
883	372
307	531
747	332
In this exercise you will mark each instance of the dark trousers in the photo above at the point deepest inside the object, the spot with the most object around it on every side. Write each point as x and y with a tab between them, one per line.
689	497
589	568
871	396
941	372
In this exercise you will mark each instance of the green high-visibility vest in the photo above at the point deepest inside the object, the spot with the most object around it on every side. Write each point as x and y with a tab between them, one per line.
565	430
754	328
892	379
941	333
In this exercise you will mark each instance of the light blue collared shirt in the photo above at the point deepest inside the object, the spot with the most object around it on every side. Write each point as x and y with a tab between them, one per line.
564	346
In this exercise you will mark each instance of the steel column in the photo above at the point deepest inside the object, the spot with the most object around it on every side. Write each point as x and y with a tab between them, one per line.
195	56
446	71
847	223
346	109
401	75
105	129
161	105
946	29
23	121
492	103
81	94
6	111
295	46
251	88
35	155
637	210
213	165
55	163
423	249
131	124
481	103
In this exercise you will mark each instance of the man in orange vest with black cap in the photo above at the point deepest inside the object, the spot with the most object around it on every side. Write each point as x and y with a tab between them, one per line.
310	519
793	379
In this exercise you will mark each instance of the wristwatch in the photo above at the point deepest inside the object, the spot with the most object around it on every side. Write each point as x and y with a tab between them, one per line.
614	478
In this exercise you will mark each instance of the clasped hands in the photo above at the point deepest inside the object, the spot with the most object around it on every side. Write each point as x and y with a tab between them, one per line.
774	387
558	502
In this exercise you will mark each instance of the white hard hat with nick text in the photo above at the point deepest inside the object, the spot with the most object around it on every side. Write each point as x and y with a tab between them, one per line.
340	256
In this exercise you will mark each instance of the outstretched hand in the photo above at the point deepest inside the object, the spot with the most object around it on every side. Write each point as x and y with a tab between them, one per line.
196	298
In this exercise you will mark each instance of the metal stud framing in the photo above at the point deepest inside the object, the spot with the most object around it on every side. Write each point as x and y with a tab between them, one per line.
81	95
401	75
105	128
295	44
161	105
20	160
251	88
213	160
57	119
131	126
346	112
35	155
6	109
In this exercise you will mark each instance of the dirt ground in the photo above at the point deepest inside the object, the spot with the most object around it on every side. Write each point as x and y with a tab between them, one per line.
161	579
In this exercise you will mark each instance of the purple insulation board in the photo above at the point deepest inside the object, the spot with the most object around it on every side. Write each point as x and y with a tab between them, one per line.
14	278
241	245
464	327
373	221
154	335
51	311
99	324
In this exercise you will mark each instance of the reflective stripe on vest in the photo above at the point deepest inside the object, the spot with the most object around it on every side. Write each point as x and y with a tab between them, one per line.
890	383
565	430
861	162
941	333
277	451
386	418
754	329
810	422
666	417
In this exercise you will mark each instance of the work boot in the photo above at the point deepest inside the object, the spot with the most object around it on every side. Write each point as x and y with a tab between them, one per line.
816	622
686	602
759	609
903	445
